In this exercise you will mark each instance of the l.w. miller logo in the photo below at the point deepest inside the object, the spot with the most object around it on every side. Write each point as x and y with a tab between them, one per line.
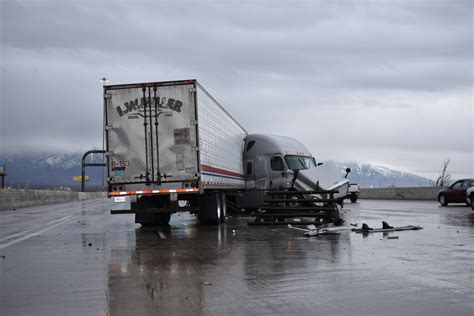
137	106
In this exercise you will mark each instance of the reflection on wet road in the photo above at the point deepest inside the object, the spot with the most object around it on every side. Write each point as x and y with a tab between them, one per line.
76	258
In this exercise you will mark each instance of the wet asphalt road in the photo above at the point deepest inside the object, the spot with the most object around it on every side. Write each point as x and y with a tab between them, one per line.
77	259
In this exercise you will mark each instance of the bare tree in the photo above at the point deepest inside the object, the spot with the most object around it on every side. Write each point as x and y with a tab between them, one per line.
444	176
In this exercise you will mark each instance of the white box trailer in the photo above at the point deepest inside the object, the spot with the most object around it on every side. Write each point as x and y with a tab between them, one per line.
165	139
171	147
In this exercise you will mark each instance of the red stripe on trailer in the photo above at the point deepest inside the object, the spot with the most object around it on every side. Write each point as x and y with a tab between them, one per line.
221	171
122	193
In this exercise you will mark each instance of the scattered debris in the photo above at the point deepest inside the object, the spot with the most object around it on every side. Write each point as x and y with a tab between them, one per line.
385	228
314	231
90	244
392	237
3	256
207	283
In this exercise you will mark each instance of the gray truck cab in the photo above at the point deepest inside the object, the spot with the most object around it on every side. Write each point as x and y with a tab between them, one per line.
274	162
270	161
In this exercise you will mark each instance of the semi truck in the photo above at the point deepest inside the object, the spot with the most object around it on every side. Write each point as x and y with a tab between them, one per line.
171	147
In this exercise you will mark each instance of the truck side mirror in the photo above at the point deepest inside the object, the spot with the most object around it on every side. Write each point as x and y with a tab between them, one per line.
348	170
288	172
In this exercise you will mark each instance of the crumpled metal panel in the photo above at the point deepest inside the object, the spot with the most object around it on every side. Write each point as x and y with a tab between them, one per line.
326	176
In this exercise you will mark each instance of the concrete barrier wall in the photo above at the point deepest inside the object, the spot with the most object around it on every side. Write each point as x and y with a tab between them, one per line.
417	193
14	198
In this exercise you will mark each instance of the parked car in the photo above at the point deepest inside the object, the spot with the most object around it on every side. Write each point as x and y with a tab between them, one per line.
455	193
470	197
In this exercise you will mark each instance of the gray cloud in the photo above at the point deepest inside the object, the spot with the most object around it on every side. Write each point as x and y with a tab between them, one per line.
378	81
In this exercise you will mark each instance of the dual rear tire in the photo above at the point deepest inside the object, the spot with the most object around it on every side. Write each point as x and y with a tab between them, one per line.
156	219
212	208
146	202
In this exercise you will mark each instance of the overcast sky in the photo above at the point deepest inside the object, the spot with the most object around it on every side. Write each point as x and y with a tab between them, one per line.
386	82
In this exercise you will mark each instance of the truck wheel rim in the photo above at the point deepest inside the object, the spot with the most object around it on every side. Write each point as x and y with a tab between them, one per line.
218	207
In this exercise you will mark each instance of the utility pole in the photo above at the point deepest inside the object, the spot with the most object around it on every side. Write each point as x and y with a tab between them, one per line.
104	82
3	174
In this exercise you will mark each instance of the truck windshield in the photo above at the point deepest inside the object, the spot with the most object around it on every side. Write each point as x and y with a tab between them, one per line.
299	162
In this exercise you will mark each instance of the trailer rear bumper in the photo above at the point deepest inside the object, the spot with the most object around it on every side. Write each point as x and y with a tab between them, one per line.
151	192
156	210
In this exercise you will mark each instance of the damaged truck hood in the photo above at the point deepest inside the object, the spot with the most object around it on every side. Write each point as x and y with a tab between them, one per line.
327	176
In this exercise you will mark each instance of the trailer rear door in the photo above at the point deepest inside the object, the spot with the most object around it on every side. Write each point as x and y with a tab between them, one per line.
151	133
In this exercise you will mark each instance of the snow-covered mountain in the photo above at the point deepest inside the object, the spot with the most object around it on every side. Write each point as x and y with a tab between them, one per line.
52	170
48	170
375	176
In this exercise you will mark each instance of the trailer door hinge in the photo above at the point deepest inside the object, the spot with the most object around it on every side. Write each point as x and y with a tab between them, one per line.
191	90
108	127
107	95
195	148
193	122
109	153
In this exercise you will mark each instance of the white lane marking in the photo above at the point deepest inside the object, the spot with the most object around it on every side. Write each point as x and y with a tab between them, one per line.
162	235
15	241
34	228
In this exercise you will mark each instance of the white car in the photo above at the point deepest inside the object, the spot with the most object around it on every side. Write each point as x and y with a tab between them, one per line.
354	192
470	197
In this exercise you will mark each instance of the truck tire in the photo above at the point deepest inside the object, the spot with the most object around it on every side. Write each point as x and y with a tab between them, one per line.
151	219
163	219
210	208
223	210
353	198
158	219
471	198
334	215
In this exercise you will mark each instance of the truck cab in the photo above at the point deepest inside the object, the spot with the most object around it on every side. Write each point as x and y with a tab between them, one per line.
270	161
273	162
